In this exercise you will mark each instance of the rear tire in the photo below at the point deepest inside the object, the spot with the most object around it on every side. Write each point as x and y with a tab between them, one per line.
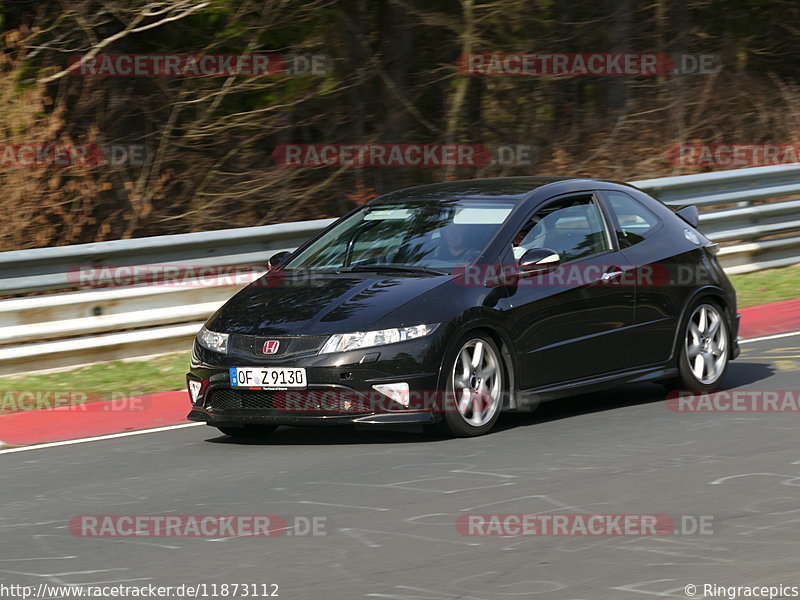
704	348
475	387
248	431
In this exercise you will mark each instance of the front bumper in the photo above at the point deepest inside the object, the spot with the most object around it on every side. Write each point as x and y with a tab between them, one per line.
340	388
375	419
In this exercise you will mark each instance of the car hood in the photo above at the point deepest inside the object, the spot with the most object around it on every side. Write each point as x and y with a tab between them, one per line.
319	304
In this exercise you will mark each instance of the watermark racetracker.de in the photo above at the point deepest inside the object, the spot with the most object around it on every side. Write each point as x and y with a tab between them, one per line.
734	401
403	155
560	64
478	275
732	156
197	526
69	155
72	400
199	65
581	525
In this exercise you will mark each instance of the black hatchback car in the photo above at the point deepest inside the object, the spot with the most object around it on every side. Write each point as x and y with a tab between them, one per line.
452	302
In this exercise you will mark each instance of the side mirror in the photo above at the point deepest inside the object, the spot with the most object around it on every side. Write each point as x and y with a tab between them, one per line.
690	214
538	260
278	259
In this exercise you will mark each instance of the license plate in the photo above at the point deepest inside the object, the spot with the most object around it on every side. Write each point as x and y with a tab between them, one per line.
268	378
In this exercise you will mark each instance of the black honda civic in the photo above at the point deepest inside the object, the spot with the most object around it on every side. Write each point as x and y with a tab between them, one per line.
450	303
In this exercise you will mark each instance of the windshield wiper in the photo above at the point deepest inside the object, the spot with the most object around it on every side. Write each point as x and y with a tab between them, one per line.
390	269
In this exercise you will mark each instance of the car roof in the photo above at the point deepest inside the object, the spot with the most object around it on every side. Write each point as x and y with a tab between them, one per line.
506	188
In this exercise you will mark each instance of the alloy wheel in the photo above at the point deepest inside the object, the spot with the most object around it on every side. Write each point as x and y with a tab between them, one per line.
477	382
707	344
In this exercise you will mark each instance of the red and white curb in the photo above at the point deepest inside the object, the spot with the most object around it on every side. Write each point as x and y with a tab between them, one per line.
769	319
94	419
97	438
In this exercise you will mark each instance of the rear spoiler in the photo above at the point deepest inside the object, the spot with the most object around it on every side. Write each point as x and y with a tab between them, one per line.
690	214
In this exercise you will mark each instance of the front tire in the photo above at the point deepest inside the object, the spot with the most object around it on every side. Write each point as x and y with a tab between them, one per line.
705	348
475	387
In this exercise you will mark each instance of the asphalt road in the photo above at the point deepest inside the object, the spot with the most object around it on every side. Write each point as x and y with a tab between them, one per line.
391	501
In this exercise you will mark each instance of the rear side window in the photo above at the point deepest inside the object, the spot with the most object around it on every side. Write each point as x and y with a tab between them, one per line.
634	222
573	227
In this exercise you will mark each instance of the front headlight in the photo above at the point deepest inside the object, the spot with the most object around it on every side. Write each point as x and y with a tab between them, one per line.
342	342
211	340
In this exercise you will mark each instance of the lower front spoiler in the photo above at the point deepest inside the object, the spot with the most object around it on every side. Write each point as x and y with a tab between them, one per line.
382	419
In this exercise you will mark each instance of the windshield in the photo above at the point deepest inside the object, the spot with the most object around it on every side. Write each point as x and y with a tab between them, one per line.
439	235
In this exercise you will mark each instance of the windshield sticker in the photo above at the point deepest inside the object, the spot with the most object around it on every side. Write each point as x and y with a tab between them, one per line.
481	216
399	214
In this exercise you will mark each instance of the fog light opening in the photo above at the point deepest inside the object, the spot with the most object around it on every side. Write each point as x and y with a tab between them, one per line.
195	388
396	391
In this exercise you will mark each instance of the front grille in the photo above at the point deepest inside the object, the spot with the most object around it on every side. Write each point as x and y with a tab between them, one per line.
253	345
227	399
319	401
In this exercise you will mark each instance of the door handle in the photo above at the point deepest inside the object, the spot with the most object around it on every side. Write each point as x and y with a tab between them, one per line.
609	276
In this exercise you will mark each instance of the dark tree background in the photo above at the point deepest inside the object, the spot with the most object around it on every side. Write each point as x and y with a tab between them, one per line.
394	79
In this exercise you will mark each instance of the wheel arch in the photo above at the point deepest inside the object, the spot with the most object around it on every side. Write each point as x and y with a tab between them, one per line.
711	292
503	341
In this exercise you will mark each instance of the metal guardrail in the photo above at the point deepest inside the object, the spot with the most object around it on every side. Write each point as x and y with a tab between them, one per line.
725	187
54	268
753	213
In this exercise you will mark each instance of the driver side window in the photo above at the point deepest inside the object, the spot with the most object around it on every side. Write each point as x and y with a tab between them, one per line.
573	227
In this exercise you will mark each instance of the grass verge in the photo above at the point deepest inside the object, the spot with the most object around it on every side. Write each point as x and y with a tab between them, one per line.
763	287
102	381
